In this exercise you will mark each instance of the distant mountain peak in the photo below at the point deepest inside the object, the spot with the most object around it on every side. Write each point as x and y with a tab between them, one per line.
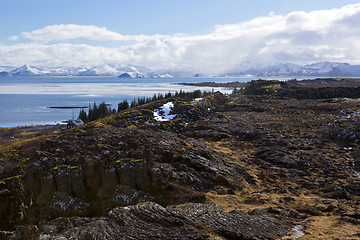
333	69
125	75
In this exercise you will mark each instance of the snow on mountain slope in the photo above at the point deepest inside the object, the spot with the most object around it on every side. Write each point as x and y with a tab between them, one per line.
27	70
321	69
333	69
6	69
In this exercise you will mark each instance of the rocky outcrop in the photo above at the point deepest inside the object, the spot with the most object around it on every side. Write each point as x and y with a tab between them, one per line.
152	221
87	173
345	125
12	201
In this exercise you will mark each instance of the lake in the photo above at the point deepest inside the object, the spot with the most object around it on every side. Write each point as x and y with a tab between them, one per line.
25	101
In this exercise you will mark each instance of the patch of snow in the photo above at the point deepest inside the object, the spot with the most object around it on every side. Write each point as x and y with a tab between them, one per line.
297	232
44	236
110	213
166	75
196	100
163	113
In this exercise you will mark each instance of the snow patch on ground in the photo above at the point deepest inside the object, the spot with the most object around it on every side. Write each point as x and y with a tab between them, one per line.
196	101
162	114
297	232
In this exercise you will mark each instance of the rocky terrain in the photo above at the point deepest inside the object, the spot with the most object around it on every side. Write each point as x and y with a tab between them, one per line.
241	166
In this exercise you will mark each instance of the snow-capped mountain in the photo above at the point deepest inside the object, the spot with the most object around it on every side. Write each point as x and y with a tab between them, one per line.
100	70
321	69
27	70
333	69
4	70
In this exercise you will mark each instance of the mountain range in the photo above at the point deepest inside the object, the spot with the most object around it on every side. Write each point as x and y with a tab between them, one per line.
323	69
100	70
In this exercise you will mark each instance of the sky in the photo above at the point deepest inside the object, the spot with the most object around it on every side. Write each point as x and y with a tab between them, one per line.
209	36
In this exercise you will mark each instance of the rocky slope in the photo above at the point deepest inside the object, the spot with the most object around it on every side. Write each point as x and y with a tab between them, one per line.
227	167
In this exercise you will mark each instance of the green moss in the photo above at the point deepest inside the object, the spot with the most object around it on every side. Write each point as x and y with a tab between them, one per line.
20	149
20	214
117	161
137	160
56	168
272	88
109	121
10	178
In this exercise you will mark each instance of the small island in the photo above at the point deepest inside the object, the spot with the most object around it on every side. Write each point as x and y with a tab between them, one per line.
71	107
125	75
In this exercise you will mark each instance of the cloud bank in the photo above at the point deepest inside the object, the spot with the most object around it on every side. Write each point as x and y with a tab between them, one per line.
298	37
63	32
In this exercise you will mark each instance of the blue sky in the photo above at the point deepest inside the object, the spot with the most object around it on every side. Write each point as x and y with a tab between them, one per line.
146	16
199	34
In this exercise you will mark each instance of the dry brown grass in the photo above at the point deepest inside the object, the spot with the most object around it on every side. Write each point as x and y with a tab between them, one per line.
329	227
304	123
10	135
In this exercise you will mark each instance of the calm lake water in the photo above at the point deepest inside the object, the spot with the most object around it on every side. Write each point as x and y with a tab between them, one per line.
25	101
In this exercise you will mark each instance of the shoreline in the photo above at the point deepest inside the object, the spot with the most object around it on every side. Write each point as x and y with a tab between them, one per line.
314	83
67	107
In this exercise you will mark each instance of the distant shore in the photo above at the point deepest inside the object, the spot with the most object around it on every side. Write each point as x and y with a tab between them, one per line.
67	107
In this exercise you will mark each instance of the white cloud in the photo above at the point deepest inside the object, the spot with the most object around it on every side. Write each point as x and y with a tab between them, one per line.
298	37
14	38
71	31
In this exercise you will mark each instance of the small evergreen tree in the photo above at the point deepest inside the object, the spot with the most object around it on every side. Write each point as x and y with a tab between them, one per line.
83	116
197	94
133	103
123	105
